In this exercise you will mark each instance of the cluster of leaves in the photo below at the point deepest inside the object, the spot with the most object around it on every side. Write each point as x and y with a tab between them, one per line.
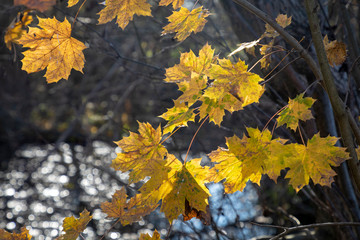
210	86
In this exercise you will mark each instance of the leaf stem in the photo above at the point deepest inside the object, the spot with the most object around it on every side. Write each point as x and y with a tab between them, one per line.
274	116
192	140
77	13
266	55
107	231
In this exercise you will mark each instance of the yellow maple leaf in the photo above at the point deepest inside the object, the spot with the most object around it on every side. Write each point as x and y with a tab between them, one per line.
16	29
233	88
142	153
335	51
314	161
52	47
246	159
177	116
297	109
184	22
73	227
128	211
23	235
189	74
72	3
41	5
283	20
124	11
155	236
176	3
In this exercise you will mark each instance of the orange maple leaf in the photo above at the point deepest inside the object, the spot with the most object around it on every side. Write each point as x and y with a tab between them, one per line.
314	161
176	3
184	22
23	235
72	3
233	88
155	236
127	211
124	11
41	5
73	227
52	47
297	109
16	29
335	51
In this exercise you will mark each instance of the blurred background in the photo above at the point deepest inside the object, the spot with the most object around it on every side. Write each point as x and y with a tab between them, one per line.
56	140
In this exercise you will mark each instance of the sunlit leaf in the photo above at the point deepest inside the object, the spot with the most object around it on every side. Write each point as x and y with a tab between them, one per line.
52	47
184	22
177	116
127	211
72	3
155	236
297	109
17	28
124	11
176	3
74	226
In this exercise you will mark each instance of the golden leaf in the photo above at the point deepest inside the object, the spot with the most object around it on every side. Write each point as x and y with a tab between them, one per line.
155	236
72	3
177	116
176	3
297	109
283	20
335	51
52	47
314	161
73	227
127	211
23	235
41	5
184	22
16	28
124	11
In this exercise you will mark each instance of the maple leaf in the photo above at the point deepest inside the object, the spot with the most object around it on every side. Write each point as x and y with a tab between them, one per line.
183	182
124	11
23	235
189	74
177	116
184	22
176	3
233	88
282	20
126	211
247	159
16	28
155	236
314	161
73	227
298	109
41	5
142	153
52	47
335	51
72	3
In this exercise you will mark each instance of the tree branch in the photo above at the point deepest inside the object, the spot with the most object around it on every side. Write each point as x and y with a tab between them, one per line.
339	107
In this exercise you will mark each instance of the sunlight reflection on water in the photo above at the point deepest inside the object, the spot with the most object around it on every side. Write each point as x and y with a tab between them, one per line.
41	188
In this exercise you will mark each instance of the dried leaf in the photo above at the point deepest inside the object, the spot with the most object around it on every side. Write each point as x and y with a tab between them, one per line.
335	51
124	11
23	235
74	226
41	5
283	20
246	45
184	22
52	47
